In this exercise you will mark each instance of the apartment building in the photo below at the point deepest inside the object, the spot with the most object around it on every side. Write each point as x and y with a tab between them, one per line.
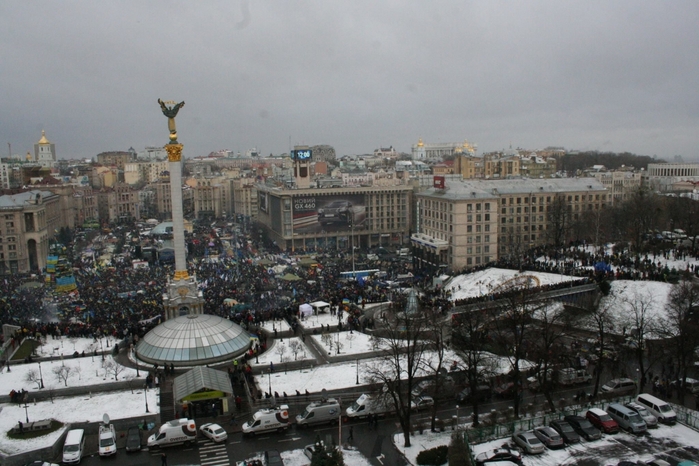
27	221
466	223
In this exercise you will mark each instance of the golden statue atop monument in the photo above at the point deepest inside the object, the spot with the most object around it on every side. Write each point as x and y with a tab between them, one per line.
171	113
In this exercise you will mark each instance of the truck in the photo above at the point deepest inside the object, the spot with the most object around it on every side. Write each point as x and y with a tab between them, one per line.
266	419
174	432
366	405
572	376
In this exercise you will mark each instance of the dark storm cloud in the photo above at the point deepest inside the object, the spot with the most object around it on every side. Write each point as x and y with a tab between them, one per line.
588	75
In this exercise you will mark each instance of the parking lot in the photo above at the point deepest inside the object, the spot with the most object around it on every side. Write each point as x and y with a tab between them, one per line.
671	443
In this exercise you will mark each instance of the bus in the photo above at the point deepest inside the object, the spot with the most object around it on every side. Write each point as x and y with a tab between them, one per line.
355	274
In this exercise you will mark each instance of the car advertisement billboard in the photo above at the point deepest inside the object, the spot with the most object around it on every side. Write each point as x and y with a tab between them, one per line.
317	214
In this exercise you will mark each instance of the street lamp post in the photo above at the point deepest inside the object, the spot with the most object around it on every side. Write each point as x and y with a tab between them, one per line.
269	381
26	411
457	417
145	395
357	364
41	376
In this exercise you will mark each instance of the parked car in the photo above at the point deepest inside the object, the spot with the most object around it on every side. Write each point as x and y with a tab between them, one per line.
420	402
658	463
650	420
40	463
133	439
529	442
427	387
549	437
481	393
498	454
272	458
619	387
505	390
602	420
566	431
583	427
107	440
214	432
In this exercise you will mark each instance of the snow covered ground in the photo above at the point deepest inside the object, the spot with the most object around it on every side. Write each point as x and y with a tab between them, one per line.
483	282
350	343
277	355
297	458
90	370
322	320
342	375
611	448
119	405
617	447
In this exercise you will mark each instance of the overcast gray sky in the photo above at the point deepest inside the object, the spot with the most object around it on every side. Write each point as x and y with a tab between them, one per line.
589	75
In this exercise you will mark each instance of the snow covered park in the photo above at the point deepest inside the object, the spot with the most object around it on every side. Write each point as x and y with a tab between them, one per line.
484	282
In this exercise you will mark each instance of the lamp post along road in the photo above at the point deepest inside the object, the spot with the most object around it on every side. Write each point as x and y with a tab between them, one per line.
41	377
145	395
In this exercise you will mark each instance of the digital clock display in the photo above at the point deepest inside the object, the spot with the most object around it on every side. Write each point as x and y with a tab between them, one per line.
302	154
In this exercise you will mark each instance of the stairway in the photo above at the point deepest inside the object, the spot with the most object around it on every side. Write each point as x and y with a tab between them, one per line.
167	400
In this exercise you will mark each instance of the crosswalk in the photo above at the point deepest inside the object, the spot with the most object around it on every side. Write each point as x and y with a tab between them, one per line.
213	454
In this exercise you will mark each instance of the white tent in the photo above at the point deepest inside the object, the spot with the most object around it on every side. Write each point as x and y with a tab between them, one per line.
305	310
321	306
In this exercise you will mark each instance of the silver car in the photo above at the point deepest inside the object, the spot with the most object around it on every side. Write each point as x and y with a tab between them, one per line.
651	421
529	442
549	437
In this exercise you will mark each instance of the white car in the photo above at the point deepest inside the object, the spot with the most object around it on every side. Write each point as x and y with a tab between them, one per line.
214	432
420	402
107	439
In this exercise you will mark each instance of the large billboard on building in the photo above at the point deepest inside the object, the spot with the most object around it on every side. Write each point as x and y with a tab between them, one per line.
328	213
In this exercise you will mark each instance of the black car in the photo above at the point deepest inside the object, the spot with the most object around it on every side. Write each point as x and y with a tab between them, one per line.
566	430
133	439
482	393
583	427
272	458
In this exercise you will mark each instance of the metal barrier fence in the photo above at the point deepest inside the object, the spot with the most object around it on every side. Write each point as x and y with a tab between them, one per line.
686	416
489	430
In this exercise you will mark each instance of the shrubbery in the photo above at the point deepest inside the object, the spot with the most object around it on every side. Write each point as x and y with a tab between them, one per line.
434	456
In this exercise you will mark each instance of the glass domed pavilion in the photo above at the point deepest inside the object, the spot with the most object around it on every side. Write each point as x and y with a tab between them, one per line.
192	340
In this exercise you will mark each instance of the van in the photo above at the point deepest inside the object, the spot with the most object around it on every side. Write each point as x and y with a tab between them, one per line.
268	419
366	405
619	387
319	412
74	446
658	408
174	432
627	419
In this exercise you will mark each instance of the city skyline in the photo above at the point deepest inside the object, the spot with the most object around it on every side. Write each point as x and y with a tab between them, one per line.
581	75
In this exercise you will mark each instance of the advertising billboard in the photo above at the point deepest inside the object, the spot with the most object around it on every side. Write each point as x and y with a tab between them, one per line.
439	182
328	213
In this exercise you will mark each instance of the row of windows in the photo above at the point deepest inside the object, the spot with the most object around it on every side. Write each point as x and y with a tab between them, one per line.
571	197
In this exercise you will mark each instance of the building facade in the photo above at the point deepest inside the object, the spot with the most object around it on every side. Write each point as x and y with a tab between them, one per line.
662	176
620	185
27	221
469	223
335	218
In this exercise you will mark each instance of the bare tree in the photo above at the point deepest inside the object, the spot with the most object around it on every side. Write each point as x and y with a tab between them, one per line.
281	350
681	327
295	347
63	373
545	341
470	339
637	324
32	376
437	325
512	326
404	346
113	368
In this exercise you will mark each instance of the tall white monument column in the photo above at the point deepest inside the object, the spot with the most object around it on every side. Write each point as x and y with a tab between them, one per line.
183	296
174	156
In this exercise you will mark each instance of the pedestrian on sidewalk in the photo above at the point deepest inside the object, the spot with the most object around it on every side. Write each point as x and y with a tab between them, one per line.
351	434
163	459
233	421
